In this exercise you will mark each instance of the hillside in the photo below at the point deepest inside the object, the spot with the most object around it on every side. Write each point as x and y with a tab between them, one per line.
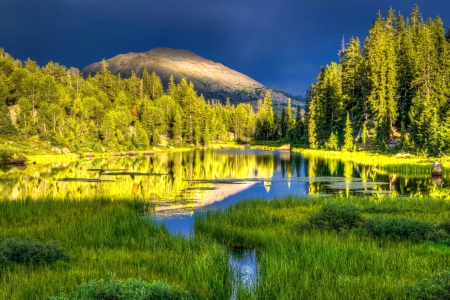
213	80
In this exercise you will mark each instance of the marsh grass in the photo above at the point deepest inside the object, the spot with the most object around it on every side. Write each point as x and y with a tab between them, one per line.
103	236
317	264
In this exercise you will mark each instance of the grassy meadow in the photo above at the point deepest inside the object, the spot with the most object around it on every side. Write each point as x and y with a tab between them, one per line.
103	237
298	261
295	260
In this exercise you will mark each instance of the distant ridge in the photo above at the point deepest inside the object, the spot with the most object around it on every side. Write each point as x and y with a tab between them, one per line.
213	80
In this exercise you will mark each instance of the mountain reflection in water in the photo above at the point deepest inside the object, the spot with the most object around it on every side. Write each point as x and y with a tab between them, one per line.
178	185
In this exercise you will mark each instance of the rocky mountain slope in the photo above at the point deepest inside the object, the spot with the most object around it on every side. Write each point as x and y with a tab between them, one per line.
213	80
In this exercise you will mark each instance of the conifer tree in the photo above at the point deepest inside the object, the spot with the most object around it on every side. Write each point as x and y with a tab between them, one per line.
348	135
381	60
140	137
177	128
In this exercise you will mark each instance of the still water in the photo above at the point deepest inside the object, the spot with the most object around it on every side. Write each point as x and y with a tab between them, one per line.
180	185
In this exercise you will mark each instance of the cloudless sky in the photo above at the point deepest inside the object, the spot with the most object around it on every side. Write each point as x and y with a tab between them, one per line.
280	43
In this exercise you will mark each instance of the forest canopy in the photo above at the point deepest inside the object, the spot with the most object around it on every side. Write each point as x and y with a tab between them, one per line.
391	93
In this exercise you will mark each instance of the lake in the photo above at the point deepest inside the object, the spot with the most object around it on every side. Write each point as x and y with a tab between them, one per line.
180	185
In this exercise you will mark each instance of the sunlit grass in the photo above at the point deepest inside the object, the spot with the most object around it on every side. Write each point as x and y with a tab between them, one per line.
296	264
103	236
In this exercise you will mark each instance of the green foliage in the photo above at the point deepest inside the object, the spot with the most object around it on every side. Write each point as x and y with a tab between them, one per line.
333	142
348	135
434	288
130	288
29	252
399	229
337	217
140	137
156	138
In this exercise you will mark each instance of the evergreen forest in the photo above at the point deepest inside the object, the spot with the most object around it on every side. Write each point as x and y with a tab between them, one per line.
389	94
392	93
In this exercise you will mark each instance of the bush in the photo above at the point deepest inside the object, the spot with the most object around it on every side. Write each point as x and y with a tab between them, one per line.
401	229
125	289
437	287
29	252
337	217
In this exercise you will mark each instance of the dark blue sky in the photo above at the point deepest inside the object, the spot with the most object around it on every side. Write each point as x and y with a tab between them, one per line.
280	43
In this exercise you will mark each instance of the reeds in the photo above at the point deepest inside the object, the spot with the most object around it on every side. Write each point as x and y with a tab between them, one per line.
100	237
316	264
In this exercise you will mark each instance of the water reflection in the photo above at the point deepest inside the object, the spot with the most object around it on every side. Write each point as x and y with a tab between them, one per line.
181	184
244	269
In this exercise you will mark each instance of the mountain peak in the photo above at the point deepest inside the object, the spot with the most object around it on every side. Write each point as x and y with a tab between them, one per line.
212	79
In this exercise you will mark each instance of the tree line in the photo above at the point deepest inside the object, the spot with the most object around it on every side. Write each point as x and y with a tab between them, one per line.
392	93
108	112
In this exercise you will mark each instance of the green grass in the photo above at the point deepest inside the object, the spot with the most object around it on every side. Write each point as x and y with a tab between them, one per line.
324	264
100	237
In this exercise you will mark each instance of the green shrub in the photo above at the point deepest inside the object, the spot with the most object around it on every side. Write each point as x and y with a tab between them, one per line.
125	289
435	288
337	217
401	229
29	252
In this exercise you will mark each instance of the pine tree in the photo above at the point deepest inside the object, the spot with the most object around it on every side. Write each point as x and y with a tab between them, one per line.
140	137
348	136
381	60
156	137
6	126
177	128
284	123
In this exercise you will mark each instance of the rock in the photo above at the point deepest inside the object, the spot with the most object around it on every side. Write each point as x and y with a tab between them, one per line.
286	147
56	150
132	153
437	170
147	153
65	150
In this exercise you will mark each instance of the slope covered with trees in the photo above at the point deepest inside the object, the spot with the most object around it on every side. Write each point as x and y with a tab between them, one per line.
393	93
106	112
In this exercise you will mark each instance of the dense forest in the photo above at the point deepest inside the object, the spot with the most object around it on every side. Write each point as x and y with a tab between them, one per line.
391	94
107	112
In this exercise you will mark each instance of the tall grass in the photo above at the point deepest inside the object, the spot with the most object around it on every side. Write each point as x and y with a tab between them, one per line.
101	237
298	264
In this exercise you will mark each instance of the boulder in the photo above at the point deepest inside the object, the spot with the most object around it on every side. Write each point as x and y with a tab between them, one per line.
286	147
56	150
437	170
65	151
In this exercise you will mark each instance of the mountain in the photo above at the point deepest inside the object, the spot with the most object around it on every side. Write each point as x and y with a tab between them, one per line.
213	80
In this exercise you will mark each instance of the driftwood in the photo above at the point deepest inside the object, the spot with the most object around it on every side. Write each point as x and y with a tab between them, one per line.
146	153
132	153
15	161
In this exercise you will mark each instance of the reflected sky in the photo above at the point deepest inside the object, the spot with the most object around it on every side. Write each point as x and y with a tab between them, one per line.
180	185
